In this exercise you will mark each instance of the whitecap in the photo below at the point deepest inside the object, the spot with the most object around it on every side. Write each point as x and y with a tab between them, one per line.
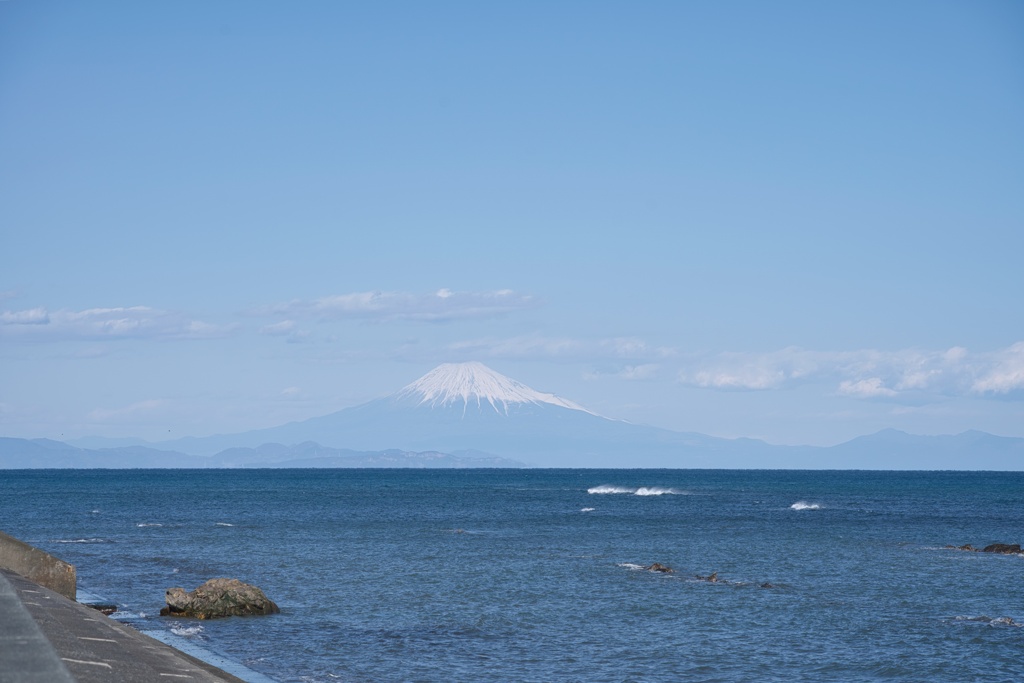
122	615
586	509
605	489
989	621
81	540
642	491
148	524
186	631
657	491
801	505
223	524
630	565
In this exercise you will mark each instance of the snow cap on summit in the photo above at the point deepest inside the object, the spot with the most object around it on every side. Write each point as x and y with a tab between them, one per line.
465	383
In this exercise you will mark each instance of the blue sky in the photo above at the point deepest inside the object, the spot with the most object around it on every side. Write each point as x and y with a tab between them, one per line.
798	221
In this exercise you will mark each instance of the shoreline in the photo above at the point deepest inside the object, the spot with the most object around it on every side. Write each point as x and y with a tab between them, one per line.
48	636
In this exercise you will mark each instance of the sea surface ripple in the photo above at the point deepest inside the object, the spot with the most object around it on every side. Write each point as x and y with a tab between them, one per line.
540	575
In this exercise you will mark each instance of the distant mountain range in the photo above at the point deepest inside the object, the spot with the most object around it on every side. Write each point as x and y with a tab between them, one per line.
467	415
45	453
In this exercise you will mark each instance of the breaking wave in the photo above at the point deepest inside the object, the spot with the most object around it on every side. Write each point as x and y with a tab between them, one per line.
801	505
989	621
586	509
122	615
641	491
609	489
148	524
658	491
186	631
82	540
222	524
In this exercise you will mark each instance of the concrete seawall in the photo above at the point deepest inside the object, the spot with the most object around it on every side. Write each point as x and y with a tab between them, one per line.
48	637
38	566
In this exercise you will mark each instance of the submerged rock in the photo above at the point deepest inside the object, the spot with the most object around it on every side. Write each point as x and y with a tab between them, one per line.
713	578
658	567
218	598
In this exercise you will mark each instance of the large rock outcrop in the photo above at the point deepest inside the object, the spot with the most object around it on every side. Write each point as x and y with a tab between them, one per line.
218	598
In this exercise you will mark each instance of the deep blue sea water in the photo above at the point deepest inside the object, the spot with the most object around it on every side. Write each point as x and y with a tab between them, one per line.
533	575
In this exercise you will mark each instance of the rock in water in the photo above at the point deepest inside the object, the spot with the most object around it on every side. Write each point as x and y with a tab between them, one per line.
218	598
1002	548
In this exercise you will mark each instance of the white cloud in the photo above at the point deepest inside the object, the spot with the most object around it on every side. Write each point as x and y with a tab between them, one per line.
278	329
135	322
1005	372
865	388
866	373
440	306
631	347
32	316
522	347
755	371
626	372
537	346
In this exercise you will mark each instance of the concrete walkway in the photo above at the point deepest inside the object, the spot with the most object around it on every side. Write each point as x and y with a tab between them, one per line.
46	638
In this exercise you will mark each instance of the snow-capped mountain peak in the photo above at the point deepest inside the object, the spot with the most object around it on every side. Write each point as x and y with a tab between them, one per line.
475	383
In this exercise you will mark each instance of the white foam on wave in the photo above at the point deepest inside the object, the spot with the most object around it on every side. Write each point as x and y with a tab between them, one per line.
223	524
630	565
802	505
143	524
81	540
586	509
122	615
658	491
187	631
605	489
989	621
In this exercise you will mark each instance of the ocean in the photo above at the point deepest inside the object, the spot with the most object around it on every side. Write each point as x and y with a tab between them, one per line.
539	575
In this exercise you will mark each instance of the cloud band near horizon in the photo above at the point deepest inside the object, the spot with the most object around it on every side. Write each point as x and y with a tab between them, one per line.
440	306
910	374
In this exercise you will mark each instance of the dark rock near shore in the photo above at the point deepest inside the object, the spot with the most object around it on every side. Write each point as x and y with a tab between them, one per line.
713	578
102	607
658	567
218	598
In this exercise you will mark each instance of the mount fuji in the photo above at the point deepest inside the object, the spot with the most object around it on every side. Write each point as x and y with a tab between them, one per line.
467	415
468	407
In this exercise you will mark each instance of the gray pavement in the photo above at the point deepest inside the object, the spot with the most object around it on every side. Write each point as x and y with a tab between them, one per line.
26	656
46	638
